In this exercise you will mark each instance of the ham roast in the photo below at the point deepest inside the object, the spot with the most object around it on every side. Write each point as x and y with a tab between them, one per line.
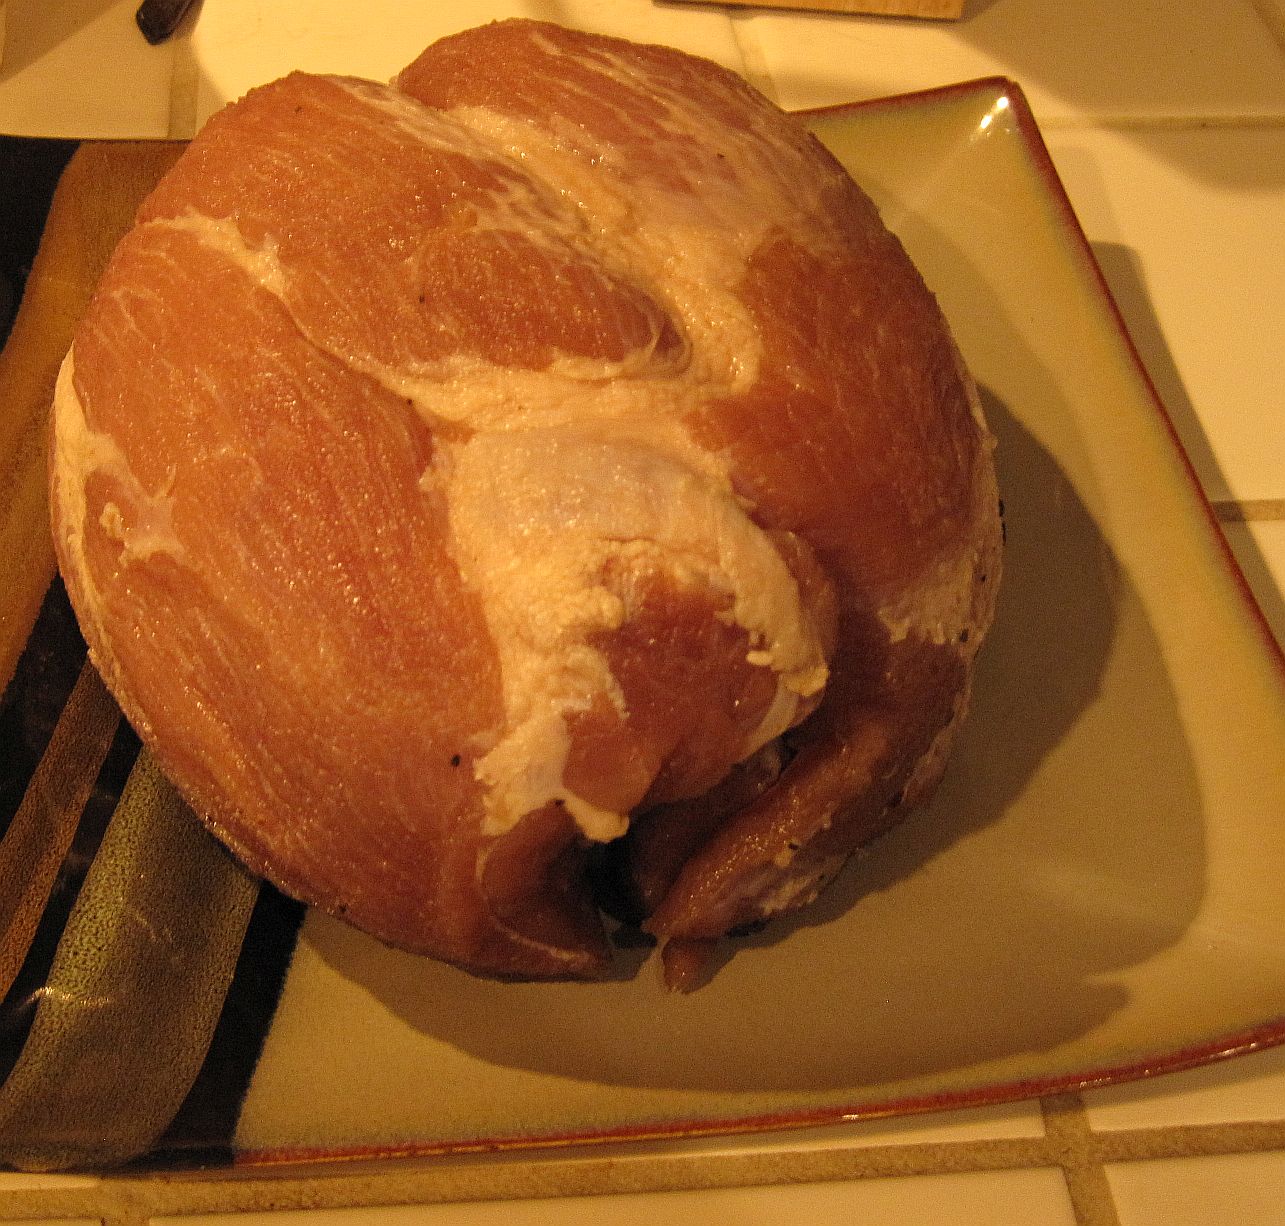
537	486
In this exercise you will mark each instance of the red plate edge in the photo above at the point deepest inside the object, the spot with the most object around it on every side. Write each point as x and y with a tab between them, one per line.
1259	1038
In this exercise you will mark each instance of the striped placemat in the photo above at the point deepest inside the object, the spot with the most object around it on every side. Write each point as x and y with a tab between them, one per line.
138	963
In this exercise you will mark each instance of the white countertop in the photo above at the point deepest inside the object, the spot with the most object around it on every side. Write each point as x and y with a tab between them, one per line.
1167	125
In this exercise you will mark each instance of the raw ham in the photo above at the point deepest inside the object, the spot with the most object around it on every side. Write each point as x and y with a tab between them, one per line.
548	450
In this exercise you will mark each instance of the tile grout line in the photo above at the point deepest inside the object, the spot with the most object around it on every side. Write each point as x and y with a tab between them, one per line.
124	1200
753	59
1066	1126
1190	1141
1248	510
1068	1142
1162	123
185	75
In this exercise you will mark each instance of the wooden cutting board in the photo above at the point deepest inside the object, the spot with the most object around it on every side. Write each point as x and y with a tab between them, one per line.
939	10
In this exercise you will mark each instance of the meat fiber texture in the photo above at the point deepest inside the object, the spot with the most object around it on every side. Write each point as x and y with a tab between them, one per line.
535	486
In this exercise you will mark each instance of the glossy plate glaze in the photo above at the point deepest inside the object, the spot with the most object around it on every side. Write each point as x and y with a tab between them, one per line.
1097	891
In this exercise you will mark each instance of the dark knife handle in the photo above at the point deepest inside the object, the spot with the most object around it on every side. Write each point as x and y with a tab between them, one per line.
158	19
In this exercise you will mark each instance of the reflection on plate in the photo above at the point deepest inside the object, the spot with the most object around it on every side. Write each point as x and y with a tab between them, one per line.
1098	890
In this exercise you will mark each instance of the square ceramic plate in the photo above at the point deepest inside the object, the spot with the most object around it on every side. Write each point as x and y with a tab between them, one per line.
1098	890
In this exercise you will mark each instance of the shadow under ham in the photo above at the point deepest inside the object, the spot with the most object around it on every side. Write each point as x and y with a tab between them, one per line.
987	924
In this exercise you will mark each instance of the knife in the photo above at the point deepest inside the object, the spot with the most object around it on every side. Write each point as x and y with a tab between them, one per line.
158	19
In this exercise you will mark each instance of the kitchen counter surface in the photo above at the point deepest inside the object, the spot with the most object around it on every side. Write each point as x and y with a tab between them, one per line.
1166	124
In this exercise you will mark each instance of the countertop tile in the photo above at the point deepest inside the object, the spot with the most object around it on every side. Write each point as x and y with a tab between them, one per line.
1098	58
240	43
1236	1189
1032	1197
1247	1088
55	42
1189	230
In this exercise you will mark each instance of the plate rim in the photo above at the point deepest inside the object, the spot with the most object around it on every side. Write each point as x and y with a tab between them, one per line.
1240	1041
